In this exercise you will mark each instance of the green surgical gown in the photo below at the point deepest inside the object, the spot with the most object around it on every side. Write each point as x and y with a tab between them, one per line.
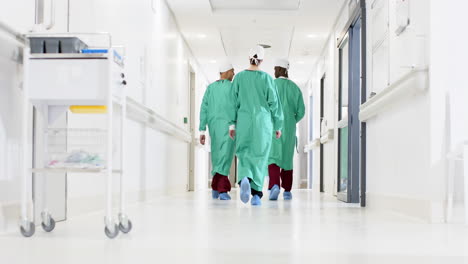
215	112
257	113
282	150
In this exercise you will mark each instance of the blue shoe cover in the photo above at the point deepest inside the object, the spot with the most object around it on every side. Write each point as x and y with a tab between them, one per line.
256	200
274	192
224	196
214	194
287	195
245	190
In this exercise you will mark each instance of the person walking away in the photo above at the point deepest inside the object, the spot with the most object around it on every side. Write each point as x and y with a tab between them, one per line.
214	112
257	115
280	162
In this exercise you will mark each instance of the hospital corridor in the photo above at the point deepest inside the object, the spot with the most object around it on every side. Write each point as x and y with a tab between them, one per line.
220	131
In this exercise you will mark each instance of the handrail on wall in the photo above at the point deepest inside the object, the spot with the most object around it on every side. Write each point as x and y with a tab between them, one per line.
140	113
396	90
329	135
343	122
15	34
312	145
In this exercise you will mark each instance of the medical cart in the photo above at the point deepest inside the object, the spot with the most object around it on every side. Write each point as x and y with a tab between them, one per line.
87	80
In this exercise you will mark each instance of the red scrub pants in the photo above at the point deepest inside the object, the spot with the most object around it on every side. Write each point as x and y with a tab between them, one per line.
221	183
280	177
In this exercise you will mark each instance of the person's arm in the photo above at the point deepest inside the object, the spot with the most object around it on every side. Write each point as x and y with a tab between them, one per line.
274	103
300	106
204	116
234	107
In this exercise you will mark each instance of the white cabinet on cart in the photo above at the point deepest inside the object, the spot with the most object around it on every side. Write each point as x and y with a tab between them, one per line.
54	82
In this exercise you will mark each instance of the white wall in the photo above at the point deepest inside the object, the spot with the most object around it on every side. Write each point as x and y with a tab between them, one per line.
448	77
327	66
448	62
405	143
20	14
157	69
300	159
398	140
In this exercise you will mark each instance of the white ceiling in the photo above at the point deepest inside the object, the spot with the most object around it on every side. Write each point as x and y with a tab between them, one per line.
296	29
218	5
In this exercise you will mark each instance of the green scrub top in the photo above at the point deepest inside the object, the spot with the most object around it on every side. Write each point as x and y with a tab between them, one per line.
257	113
215	112
292	102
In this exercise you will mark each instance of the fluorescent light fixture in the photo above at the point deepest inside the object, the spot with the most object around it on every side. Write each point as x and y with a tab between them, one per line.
300	62
312	36
212	61
201	36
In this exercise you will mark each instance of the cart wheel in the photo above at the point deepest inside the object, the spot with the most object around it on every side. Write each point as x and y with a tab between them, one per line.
111	235
50	227
126	230
32	229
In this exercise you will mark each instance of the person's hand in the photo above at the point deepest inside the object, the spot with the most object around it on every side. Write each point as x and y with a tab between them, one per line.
202	139
278	134
232	134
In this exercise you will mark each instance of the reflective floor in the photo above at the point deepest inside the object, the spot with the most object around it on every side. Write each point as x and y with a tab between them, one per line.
192	228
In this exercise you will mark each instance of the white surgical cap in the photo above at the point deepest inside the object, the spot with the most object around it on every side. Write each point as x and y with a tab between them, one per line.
259	51
283	63
225	66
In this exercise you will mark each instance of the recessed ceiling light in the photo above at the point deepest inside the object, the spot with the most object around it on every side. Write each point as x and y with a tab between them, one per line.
312	36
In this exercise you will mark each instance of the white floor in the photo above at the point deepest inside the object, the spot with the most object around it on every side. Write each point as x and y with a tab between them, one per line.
192	228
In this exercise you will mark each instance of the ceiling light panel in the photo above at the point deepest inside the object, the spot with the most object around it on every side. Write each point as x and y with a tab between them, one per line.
238	41
277	5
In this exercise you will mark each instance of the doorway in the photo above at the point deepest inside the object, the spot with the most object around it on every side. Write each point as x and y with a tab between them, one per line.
191	120
322	117
348	114
311	138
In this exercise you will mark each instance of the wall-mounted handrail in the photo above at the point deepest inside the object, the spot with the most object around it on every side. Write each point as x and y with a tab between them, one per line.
343	122
312	145
329	135
141	113
393	92
13	33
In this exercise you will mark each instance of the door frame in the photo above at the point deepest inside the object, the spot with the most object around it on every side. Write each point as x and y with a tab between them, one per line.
342	196
356	81
310	157
363	100
322	116
354	106
191	182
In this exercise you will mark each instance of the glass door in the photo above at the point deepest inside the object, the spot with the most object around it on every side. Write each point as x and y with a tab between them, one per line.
322	116
343	120
348	115
311	138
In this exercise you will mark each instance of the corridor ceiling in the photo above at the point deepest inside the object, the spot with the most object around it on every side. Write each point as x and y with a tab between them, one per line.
219	29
